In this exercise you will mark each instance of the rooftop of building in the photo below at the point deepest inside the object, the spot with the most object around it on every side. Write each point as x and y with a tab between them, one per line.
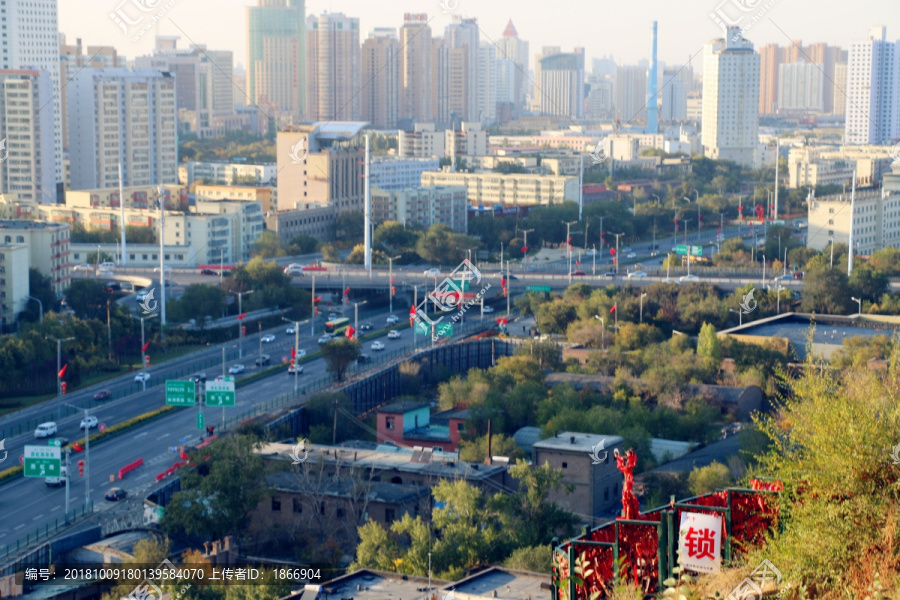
388	457
400	408
23	224
378	491
571	441
526	437
372	585
502	584
340	131
801	328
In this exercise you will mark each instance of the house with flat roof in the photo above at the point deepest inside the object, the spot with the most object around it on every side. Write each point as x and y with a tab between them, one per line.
412	424
367	584
588	466
501	584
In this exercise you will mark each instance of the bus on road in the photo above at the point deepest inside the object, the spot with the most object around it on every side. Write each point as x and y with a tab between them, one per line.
337	327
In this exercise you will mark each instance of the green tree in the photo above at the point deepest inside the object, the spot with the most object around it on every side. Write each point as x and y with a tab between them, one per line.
476	450
395	236
441	245
267	588
708	346
268	245
348	227
198	301
826	291
709	478
302	244
217	496
554	316
94	258
886	260
539	518
868	284
535	559
339	354
87	297
40	288
376	549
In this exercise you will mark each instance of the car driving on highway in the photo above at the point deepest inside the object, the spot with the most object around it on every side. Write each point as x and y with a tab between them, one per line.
141	377
394	335
268	338
89	422
235	369
45	430
376	345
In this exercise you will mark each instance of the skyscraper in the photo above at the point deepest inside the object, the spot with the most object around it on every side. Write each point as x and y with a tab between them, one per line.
631	94
487	83
276	51
512	69
30	40
730	99
463	33
677	84
562	84
117	115
828	57
801	88
381	79
333	67
416	66
873	90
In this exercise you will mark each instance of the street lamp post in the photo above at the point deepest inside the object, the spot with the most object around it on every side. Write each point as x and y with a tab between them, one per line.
778	289
241	322
87	465
740	316
391	260
602	329
642	307
59	342
618	235
594	261
356	314
686	221
296	325
569	246
41	305
312	310
143	343
859	304
259	356
526	232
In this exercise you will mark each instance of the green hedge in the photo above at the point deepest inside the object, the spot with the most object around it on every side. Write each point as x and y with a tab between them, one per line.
125	425
11	472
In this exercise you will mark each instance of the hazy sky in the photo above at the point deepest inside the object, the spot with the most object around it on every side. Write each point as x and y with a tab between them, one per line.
617	28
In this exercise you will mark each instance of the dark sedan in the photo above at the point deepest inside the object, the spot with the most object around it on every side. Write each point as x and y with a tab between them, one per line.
115	494
102	395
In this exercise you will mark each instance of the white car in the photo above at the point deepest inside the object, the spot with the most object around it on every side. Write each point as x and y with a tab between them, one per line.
268	338
332	316
301	353
88	422
392	320
235	369
108	266
326	338
105	272
293	271
168	268
290	330
377	345
394	335
688	278
83	268
295	370
433	273
488	309
636	275
45	430
141	377
631	255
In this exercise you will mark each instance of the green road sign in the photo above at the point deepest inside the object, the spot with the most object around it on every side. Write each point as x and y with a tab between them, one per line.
443	330
422	328
680	249
42	461
55	442
200	421
697	250
229	378
683	250
537	288
220	393
181	393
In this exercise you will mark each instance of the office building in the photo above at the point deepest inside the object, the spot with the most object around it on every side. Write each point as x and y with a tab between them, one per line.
28	154
14	282
48	247
631	95
276	50
245	218
487	83
30	41
492	189
333	67
538	91
423	141
562	84
875	219
310	219
839	89
328	171
873	90
730	99
600	98
821	165
416	67
470	140
382	69
422	206
119	116
801	88
266	196
462	34
138	197
400	173
511	70
596	488
678	82
71	59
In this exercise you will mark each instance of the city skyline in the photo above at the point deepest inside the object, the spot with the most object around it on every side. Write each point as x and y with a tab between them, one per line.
683	29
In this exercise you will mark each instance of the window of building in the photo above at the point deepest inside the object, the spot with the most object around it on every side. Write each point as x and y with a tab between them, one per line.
130	256
389	515
20	239
389	422
339	513
276	504
144	257
565	465
298	505
831	221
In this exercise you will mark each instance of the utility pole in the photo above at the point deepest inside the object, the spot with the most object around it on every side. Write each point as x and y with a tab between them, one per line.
122	216
59	342
367	205
259	356
686	221
569	246
526	232
162	262
581	186
777	152
618	235
391	260
312	310
594	266
850	239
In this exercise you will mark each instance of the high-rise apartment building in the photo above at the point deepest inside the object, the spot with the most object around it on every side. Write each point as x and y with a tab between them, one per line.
463	34
48	247
29	155
123	116
631	94
450	99
677	84
873	90
382	82
512	70
30	40
276	51
487	83
333	67
562	84
828	58
417	68
839	89
772	57
801	88
730	99
537	92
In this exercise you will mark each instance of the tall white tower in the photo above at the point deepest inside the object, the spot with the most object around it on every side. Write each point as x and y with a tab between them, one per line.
873	90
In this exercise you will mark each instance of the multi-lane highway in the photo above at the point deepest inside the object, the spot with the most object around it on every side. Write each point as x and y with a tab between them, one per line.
29	504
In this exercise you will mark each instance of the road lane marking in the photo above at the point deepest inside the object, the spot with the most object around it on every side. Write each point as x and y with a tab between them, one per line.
140	435
38	517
